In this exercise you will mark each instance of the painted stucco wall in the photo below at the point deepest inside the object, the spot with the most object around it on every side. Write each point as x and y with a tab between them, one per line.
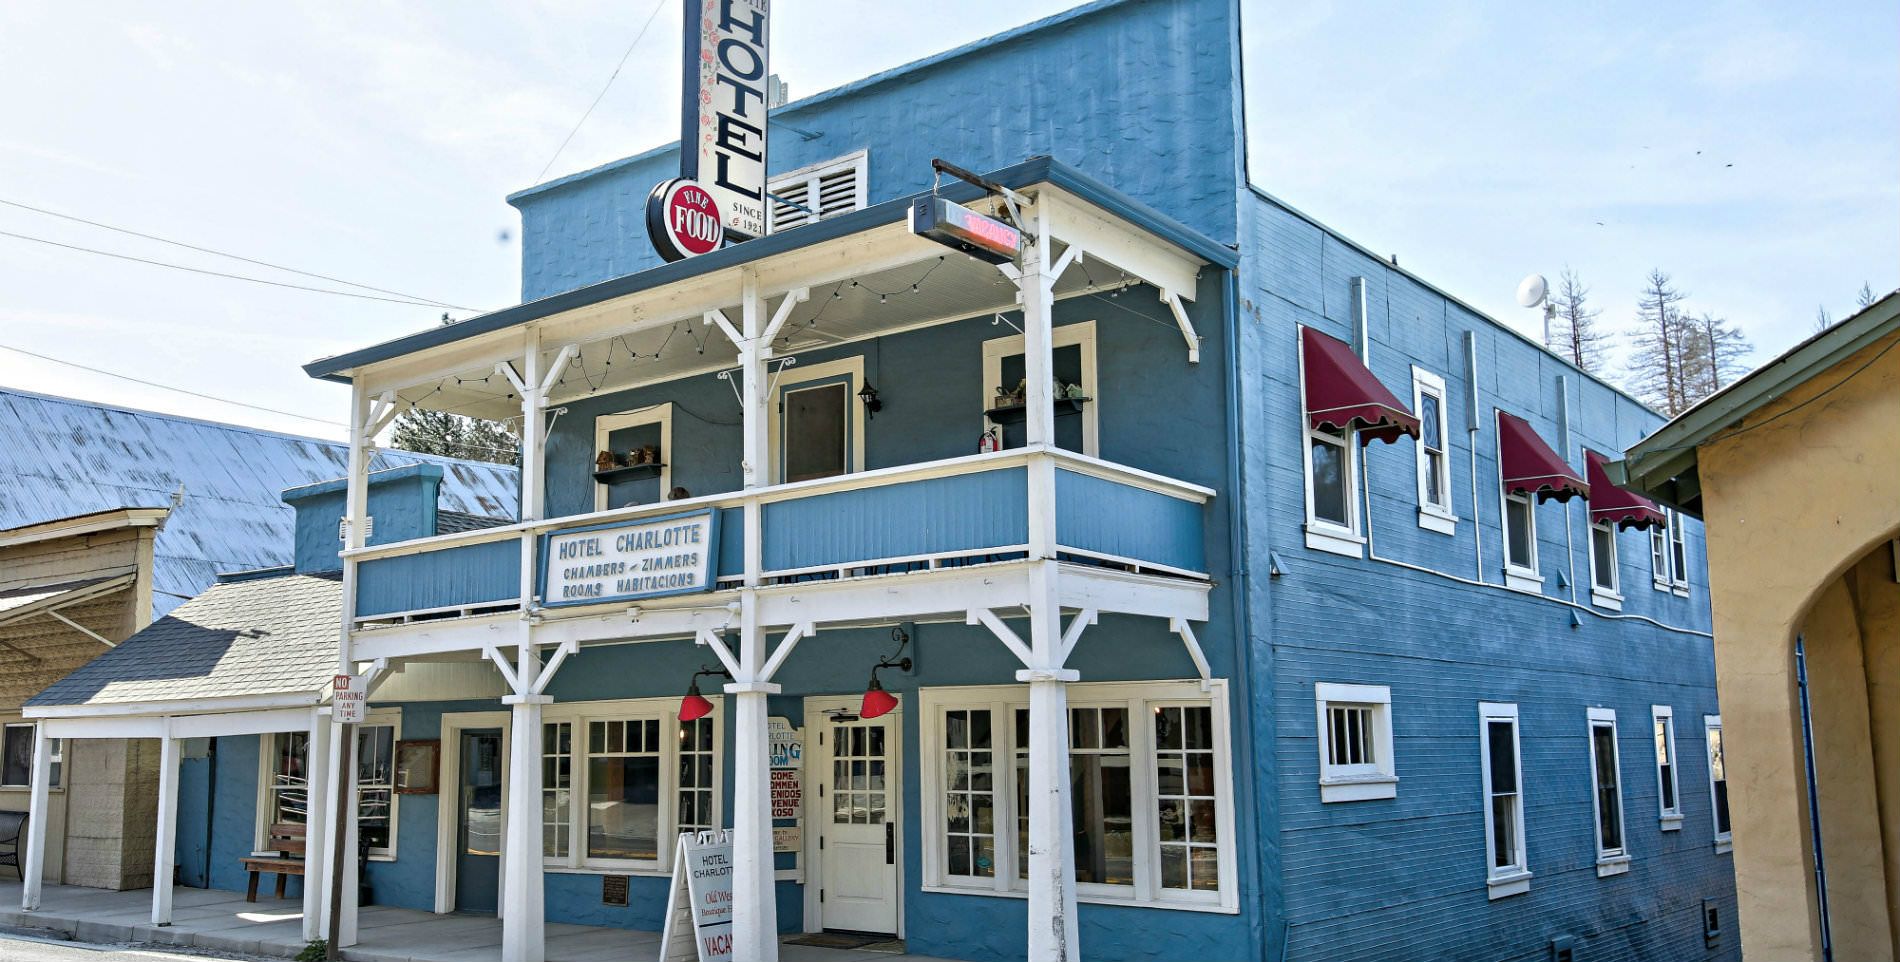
1362	879
1808	486
1109	88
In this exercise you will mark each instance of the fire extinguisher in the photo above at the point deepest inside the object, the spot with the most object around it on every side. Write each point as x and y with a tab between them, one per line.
990	441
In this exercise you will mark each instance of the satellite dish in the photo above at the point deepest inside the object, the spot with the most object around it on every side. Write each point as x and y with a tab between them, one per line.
1531	290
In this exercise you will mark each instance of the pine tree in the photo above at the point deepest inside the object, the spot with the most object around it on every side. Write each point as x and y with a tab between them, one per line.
1720	347
1573	324
455	436
1654	370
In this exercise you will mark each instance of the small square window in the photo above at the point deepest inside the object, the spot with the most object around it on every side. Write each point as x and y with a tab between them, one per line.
1355	742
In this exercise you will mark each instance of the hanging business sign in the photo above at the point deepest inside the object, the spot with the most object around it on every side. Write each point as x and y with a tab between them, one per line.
785	742
683	220
699	904
677	554
723	118
962	229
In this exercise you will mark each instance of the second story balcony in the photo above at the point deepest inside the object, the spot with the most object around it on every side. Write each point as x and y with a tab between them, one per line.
844	411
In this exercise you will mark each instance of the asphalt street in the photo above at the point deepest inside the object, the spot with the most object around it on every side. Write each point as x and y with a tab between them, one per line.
17	946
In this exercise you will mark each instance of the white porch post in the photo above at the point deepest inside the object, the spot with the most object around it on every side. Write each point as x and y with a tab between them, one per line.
165	846
339	841
316	868
33	866
523	929
754	897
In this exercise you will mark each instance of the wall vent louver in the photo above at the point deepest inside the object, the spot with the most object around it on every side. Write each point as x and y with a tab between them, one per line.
821	191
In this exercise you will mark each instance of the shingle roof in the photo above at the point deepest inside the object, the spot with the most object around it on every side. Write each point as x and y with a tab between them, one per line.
65	457
269	636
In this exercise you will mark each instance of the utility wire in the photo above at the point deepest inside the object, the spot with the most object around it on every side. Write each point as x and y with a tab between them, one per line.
603	92
219	253
235	277
167	387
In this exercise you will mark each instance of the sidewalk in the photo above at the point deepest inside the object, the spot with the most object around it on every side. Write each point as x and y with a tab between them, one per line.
224	922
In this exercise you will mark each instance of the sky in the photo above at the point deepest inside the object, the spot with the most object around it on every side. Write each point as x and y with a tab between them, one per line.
1749	149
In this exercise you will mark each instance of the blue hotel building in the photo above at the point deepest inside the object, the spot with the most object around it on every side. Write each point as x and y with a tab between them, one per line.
1290	618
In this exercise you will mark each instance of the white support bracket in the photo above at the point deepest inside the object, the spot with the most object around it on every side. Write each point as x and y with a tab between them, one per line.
712	640
1073	255
375	670
565	649
792	299
717	318
553	375
1173	301
798	633
1180	627
381	412
507	670
508	371
1073	633
1009	638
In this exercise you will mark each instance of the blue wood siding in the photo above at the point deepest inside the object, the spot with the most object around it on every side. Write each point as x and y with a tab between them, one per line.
964	512
469	575
1107	517
731	542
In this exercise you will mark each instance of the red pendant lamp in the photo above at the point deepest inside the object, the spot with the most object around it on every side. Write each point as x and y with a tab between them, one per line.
695	705
877	701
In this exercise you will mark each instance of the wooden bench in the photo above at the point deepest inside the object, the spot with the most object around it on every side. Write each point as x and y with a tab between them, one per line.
12	826
287	840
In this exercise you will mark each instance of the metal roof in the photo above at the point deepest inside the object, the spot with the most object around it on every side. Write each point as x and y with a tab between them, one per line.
1663	465
64	457
1036	170
268	636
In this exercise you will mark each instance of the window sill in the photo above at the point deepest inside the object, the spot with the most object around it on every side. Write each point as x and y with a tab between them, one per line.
1606	599
1504	886
1672	822
1439	521
1358	788
1612	865
565	869
1723	846
1682	591
1335	540
1522	580
1087	898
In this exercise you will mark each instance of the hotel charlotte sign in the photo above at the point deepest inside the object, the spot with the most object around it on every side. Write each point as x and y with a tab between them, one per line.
638	559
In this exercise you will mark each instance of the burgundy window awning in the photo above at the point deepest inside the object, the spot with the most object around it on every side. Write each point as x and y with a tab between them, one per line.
1529	466
1621	508
1343	395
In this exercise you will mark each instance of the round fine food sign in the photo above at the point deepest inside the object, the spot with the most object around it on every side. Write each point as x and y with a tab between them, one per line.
683	220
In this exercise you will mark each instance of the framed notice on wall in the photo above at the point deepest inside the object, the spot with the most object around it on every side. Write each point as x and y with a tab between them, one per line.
418	762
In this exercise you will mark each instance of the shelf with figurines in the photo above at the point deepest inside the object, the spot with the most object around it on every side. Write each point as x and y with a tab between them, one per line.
637	464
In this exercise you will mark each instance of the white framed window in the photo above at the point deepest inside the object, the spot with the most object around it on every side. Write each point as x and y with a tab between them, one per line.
1678	554
1151	773
605	427
820	191
1331	466
1605	578
1606	789
1660	574
1434	453
1668	781
815	425
284	792
16	751
1073	350
1507	866
1718	781
621	780
376	797
1355	742
1519	513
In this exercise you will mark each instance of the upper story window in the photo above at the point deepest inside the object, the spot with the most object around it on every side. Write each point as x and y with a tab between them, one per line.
1507	868
1073	356
1434	455
1718	780
816	425
640	443
1603	567
1342	407
1606	782
1669	555
1355	742
1520	543
1669	799
814	193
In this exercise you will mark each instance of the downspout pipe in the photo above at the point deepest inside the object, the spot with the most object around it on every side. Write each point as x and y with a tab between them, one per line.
1814	795
1240	590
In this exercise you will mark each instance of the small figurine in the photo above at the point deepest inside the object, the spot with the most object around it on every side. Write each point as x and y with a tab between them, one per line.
605	461
650	454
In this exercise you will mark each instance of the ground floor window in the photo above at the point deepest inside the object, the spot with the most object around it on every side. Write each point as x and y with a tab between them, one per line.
376	788
1607	782
621	780
1718	780
1663	728
16	757
1508	869
1150	791
285	792
289	785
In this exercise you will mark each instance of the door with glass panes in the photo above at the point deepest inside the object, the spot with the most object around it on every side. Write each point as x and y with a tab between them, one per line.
857	775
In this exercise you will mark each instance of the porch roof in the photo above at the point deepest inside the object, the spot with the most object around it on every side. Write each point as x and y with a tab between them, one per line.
1036	170
263	637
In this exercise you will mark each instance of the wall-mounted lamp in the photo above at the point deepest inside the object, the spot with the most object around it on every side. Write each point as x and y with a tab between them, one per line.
877	701
872	404
695	705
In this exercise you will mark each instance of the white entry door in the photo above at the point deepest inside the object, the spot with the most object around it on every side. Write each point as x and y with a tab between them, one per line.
858	777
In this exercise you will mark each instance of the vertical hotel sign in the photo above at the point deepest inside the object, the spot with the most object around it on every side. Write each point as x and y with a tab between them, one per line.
723	120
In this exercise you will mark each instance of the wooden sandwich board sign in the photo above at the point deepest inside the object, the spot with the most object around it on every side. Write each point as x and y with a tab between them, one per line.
699	902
